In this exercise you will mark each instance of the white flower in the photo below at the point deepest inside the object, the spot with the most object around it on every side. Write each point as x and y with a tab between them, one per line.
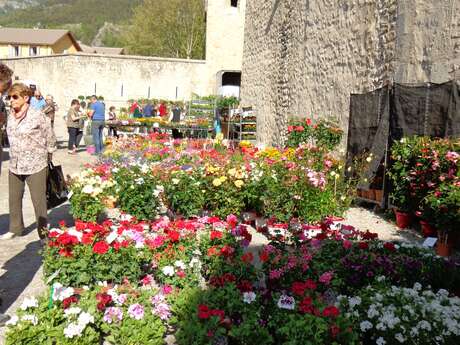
139	181
399	337
85	318
180	264
380	341
88	189
286	302
32	318
73	330
13	321
369	159
365	325
417	286
175	181
72	311
60	292
168	271
29	303
354	301
249	297
195	261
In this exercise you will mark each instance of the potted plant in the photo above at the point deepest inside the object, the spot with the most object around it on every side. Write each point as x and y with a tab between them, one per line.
445	203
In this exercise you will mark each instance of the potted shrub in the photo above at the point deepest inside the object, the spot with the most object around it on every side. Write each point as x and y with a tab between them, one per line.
445	203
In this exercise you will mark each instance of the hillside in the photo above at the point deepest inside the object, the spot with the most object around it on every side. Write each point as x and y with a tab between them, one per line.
84	17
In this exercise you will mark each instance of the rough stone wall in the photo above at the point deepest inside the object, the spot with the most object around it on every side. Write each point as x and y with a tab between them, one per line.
304	58
117	78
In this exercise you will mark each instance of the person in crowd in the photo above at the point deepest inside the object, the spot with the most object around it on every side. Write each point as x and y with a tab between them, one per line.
148	109
37	102
112	117
6	75
32	142
175	117
97	115
162	109
135	110
50	108
74	118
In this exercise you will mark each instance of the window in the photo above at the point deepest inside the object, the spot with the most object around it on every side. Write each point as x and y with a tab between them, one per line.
234	3
33	51
16	51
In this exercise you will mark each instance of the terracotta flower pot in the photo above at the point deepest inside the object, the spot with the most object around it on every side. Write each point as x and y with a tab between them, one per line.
378	194
427	229
403	220
443	249
371	194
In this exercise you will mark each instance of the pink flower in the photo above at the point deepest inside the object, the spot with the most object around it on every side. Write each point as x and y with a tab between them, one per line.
136	311
113	314
452	156
326	277
347	244
167	289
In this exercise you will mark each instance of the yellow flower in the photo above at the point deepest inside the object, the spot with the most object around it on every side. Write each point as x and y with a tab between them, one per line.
217	182
223	179
232	172
239	183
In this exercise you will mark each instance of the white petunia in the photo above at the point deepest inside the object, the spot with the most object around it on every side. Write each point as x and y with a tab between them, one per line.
249	297
168	271
85	318
365	325
31	318
88	189
180	264
29	303
73	330
13	321
380	341
72	311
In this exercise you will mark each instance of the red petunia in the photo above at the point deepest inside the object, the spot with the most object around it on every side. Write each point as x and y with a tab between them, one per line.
331	311
216	235
263	256
101	247
66	302
298	288
245	286
363	245
203	311
389	246
66	252
174	236
247	257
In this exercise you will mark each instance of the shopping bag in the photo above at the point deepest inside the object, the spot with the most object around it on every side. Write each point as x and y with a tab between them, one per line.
56	188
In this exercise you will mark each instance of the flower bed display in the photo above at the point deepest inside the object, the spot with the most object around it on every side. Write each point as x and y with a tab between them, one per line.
323	133
147	176
425	179
202	281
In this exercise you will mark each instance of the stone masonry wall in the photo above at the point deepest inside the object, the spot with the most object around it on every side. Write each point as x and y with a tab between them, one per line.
304	58
117	78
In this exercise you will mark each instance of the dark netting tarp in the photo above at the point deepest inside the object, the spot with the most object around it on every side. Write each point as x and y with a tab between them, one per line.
402	110
368	128
430	110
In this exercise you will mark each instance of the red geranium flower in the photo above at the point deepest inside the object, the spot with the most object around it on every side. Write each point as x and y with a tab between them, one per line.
216	235
67	240
247	258
331	311
310	284
227	251
103	299
308	122
390	246
174	236
181	274
363	245
101	247
298	288
68	301
203	311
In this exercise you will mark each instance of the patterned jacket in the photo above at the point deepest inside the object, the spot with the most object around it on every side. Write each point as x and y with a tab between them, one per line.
31	139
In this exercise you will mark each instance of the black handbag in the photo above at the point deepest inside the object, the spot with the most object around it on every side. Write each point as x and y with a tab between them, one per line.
56	188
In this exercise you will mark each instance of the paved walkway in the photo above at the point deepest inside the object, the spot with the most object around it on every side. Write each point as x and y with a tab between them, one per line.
20	261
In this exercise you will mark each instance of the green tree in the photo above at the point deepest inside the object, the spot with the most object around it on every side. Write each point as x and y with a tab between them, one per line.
169	28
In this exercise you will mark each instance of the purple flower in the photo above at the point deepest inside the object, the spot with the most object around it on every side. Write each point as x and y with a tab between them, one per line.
136	311
113	314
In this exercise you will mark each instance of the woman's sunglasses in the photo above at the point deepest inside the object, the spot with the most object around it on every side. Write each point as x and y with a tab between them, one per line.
15	97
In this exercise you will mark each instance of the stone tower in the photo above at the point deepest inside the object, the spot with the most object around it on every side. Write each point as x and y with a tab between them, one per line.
224	41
